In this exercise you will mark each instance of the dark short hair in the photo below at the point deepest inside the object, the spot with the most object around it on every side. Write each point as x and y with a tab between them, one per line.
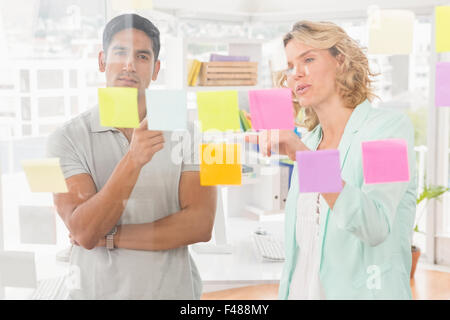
131	21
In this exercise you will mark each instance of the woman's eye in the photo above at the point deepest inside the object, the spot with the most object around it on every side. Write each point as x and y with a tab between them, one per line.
309	60
289	71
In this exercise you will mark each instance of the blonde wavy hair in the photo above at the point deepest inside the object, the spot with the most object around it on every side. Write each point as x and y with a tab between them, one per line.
353	78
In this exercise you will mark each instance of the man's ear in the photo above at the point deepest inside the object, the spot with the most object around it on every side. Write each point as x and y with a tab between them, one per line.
156	70
101	61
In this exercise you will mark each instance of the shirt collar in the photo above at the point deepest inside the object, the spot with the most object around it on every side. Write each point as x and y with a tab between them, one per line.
95	122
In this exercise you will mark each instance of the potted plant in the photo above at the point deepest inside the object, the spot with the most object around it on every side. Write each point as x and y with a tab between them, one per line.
429	192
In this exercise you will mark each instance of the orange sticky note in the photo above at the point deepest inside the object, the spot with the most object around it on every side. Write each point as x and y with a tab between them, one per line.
220	164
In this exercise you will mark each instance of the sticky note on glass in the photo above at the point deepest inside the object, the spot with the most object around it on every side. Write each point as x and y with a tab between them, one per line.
118	107
319	171
44	175
391	32
442	84
385	161
220	164
119	5
166	109
271	109
218	110
442	15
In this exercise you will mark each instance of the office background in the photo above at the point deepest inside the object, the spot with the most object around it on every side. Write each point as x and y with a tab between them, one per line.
49	74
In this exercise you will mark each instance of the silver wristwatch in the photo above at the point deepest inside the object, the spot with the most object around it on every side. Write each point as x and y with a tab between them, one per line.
110	238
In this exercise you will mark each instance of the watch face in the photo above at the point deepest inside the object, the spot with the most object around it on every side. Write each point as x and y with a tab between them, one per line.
109	242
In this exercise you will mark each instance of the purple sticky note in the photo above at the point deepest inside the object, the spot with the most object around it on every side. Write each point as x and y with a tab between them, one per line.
442	97
385	161
319	171
271	109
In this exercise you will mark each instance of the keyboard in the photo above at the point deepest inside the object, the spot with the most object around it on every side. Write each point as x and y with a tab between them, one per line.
268	247
51	289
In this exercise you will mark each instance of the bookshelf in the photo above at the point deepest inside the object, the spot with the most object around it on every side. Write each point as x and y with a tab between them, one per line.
200	49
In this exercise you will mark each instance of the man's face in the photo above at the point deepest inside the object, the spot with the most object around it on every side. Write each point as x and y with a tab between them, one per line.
129	61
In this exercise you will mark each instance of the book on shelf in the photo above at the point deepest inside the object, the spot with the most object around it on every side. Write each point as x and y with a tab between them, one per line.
220	57
194	70
190	65
245	121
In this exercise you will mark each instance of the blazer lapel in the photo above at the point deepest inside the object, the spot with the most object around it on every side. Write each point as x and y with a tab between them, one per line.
356	121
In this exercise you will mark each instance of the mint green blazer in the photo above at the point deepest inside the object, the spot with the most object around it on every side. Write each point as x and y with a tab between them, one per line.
365	241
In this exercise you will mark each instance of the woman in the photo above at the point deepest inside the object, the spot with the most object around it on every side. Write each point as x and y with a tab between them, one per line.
355	244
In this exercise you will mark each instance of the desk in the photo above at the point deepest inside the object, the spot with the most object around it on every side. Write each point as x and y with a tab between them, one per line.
243	266
46	267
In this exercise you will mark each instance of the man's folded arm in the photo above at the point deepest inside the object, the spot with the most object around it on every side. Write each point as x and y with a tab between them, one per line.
90	215
192	224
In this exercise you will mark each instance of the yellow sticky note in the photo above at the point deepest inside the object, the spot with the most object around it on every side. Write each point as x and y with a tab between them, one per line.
442	28
118	107
220	164
44	175
119	5
391	32
218	110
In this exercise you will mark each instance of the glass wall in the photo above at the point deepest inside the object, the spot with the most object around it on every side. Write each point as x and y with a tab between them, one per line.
49	74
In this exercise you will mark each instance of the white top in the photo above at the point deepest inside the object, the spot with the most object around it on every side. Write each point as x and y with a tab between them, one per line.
305	284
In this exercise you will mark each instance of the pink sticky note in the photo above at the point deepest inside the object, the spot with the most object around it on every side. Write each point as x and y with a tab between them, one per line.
442	97
271	109
385	161
319	171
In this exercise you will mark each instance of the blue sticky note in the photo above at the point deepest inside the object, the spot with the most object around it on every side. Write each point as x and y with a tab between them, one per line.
166	109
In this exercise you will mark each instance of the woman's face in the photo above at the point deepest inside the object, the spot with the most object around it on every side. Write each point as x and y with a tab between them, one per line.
311	74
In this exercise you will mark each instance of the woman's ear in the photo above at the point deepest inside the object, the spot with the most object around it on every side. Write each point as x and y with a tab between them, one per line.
340	59
101	61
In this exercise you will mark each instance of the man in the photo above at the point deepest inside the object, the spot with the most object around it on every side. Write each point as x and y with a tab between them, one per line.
126	191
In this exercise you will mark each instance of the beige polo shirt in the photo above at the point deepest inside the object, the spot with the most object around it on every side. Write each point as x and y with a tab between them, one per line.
84	146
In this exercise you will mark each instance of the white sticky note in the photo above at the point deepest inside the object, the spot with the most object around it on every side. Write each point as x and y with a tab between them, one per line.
166	109
276	53
37	224
391	32
45	175
17	269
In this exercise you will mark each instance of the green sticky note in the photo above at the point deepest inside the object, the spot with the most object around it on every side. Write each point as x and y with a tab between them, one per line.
118	107
218	110
442	28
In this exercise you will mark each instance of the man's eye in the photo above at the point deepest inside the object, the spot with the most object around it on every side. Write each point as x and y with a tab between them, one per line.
142	56
120	53
309	60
